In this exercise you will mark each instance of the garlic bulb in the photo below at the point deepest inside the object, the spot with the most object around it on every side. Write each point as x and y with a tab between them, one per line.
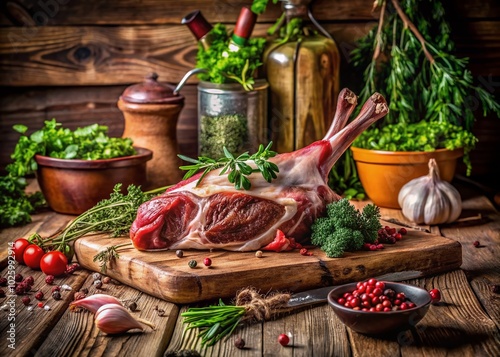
430	200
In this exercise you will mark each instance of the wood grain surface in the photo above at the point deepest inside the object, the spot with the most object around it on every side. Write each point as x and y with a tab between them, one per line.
164	275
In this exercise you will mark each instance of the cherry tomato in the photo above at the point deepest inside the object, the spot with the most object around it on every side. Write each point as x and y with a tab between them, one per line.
20	245
32	256
54	263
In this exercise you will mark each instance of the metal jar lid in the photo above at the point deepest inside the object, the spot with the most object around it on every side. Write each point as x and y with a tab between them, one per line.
150	91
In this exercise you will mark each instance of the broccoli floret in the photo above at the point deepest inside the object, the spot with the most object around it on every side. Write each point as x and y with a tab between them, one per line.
344	228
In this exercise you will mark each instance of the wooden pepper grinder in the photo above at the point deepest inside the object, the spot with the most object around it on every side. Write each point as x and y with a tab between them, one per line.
151	111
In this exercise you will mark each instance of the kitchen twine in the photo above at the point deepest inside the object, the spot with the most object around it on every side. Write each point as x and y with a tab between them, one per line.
260	307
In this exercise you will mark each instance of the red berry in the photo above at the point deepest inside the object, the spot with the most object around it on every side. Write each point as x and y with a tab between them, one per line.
39	295
341	301
372	281
435	295
26	300
398	236
386	303
403	306
18	278
402	231
29	281
377	291
283	339
207	262
380	285
375	300
401	296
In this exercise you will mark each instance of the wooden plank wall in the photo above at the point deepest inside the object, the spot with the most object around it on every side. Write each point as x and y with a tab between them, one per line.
71	59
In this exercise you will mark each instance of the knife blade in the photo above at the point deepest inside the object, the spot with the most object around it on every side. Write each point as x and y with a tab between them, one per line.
320	295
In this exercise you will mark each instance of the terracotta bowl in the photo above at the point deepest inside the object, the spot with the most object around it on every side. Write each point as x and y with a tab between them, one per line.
384	173
378	323
74	186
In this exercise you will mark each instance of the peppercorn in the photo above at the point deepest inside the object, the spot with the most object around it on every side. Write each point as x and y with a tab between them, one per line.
132	306
18	278
56	295
29	281
259	254
49	279
98	284
2	293
21	289
55	288
26	300
179	253
476	244
192	264
79	295
84	290
39	295
239	343
207	262
106	280
96	276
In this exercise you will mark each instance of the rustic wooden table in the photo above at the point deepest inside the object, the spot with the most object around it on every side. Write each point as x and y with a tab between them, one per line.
465	323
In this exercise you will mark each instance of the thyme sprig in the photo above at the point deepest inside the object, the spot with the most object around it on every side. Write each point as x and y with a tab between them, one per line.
236	168
108	255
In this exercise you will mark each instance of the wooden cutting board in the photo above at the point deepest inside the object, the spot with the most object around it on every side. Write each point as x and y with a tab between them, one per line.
164	275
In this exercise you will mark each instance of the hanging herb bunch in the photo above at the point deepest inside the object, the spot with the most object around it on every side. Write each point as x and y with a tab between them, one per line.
409	58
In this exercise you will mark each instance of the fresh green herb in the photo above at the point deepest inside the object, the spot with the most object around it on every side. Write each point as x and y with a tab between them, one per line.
421	136
259	6
214	322
88	143
236	167
113	216
16	206
228	131
108	255
52	140
225	66
344	228
409	59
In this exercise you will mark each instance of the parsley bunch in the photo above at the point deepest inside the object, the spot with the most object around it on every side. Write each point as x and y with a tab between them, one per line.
344	228
225	66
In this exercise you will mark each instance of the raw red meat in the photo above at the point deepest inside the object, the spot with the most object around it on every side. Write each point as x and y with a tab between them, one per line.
216	215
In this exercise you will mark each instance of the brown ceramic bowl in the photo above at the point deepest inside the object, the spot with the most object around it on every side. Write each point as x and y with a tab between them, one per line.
74	186
379	323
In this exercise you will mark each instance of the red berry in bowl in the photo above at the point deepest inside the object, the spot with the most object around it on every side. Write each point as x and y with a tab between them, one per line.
435	295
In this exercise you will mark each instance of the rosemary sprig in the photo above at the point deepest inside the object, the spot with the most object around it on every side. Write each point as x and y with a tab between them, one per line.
236	168
109	255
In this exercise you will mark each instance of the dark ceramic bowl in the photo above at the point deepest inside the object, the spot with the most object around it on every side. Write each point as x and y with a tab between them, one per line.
74	186
377	323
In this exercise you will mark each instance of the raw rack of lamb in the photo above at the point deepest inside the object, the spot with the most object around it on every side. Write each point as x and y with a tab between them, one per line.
216	215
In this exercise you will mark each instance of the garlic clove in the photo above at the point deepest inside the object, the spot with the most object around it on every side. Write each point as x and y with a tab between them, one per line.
114	319
94	302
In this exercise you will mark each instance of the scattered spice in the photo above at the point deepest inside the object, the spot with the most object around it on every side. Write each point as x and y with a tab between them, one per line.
29	280
106	280
192	264
2	293
26	300
55	288
98	284
283	339
66	287
40	304
179	253
207	262
56	295
46	307
39	295
435	295
305	252
259	254
132	306
160	312
3	281
18	278
49	279
79	295
239	343
96	276
84	290
476	244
